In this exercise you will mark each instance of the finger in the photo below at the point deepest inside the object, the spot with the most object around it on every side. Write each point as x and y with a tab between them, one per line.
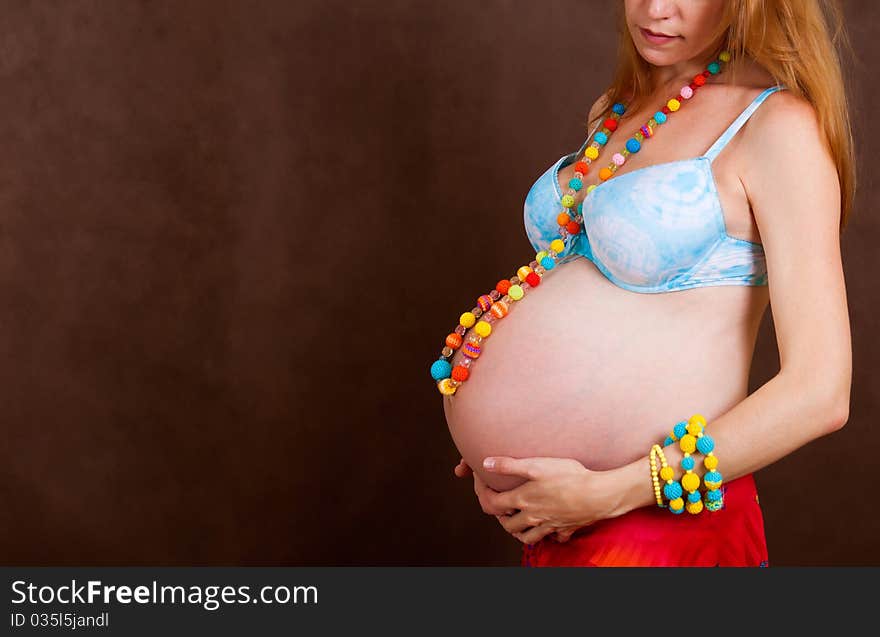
504	501
462	470
518	522
529	468
534	535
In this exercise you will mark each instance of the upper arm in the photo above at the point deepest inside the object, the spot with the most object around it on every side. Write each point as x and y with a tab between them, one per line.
793	187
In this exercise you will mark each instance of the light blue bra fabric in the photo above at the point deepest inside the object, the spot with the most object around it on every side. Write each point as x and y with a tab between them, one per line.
654	229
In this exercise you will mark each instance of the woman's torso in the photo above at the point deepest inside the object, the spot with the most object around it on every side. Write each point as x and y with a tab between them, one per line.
585	368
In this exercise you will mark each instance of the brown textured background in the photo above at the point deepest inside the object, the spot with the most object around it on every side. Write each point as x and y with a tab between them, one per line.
226	229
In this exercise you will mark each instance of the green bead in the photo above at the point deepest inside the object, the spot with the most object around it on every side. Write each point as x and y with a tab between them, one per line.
714	69
567	201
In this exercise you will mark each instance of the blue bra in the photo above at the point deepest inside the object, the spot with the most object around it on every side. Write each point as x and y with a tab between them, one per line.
659	228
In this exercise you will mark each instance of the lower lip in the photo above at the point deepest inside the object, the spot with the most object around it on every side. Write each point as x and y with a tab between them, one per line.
657	39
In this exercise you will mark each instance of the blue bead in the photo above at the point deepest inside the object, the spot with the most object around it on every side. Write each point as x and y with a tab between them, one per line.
680	429
668	441
714	68
660	117
712	476
672	490
714	495
694	496
705	444
619	108
633	145
600	138
575	184
547	263
687	463
441	369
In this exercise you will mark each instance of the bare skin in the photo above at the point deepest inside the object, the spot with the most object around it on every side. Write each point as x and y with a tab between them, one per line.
774	186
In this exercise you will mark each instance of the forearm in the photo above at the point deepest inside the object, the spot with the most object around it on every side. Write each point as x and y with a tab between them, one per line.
778	418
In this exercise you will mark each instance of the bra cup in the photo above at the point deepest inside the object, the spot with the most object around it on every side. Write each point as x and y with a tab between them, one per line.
541	228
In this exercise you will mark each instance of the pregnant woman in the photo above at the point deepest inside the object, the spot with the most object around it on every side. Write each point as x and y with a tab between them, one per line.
716	178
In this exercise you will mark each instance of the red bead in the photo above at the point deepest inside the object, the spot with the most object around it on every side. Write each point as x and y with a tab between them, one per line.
699	80
694	86
707	73
533	279
665	109
460	373
573	227
503	286
581	167
611	124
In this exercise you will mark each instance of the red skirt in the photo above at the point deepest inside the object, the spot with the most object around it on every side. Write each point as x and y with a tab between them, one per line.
651	536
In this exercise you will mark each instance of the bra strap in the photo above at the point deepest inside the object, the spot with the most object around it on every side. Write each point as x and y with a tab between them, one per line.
743	117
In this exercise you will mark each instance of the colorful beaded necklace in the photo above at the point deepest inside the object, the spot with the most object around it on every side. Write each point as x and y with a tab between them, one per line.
498	302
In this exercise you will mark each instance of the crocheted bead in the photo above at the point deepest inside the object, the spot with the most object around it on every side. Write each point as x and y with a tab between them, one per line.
715	506
446	387
699	80
575	184
676	505
633	145
688	443
698	418
714	68
562	218
485	302
440	369
686	92
533	279
522	273
599	138
695	507
567	201
582	167
679	430
712	479
471	350
591	152
557	245
502	286
660	116
515	292
705	444
620	109
541	254
694	496
714	495
668	441
690	481
453	341
687	463
694	427
672	490
605	174
572	227
673	104
618	159
460	373
499	309
610	124
483	329
548	263
724	56
647	131
666	473
710	462
467	319
591	188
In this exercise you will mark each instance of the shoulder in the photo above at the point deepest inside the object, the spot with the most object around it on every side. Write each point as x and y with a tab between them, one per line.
599	106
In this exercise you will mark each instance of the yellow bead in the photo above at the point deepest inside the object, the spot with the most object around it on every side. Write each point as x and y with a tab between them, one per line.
724	56
666	473
676	504
557	245
673	104
483	329
695	507
540	256
688	443
695	428
467	319
515	292
592	152
711	463
690	482
698	418
523	272
567	201
446	387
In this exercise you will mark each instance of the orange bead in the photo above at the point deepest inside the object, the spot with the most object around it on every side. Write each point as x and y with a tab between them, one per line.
453	341
573	227
563	219
503	286
581	167
460	373
500	309
605	174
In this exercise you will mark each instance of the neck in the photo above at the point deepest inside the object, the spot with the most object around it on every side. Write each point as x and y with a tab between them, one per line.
671	77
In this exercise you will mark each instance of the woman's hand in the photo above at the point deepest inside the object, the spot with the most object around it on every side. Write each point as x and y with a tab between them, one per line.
559	497
462	470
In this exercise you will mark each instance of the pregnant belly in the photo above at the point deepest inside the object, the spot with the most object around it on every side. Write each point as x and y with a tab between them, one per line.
583	369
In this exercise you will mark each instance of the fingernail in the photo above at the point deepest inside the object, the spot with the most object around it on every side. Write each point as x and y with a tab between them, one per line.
489	463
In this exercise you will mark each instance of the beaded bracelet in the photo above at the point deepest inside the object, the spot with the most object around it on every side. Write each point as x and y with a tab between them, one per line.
656	451
692	437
